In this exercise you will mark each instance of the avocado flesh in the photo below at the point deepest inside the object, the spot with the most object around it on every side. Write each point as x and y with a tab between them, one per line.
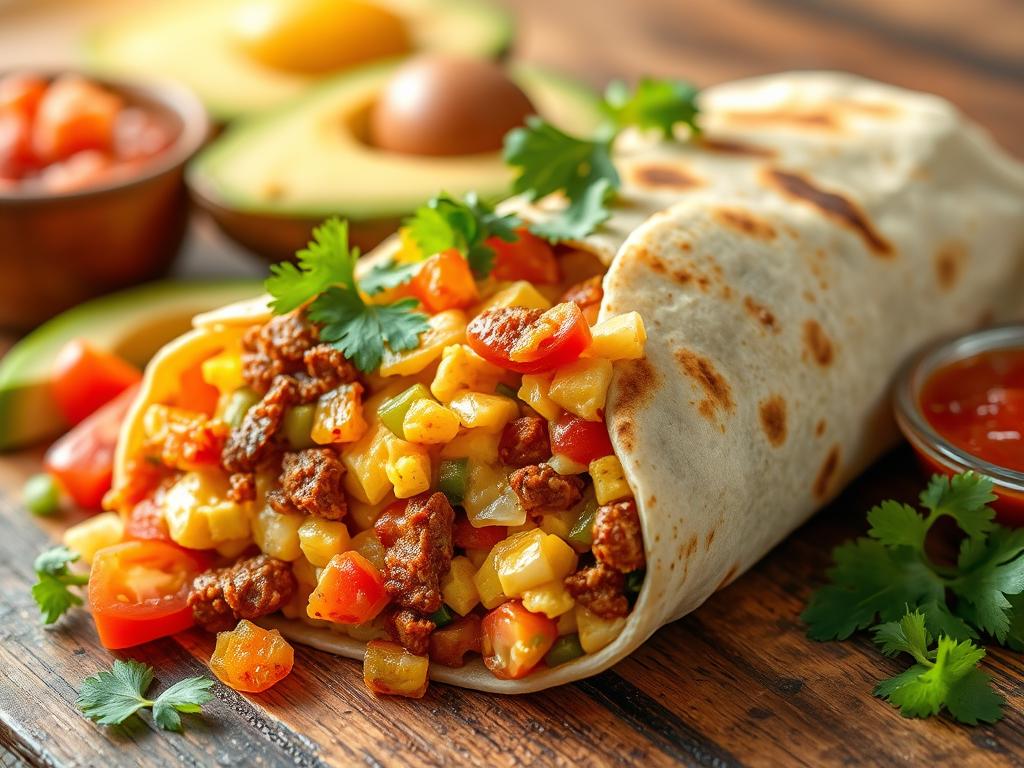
192	41
308	161
133	324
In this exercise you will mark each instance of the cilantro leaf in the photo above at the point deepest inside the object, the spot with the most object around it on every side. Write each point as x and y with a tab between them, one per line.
896	525
965	498
991	570
389	274
112	697
55	561
582	217
654	104
971	699
326	261
941	621
908	635
53	579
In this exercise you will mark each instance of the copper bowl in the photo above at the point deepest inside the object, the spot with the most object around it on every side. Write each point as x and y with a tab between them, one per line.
59	249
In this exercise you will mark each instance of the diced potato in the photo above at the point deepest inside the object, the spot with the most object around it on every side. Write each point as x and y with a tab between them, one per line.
504	510
528	560
199	514
477	556
563	465
93	534
558	523
390	669
488	586
320	539
448	327
595	632
581	387
365	632
362	515
366	477
521	293
339	415
430	423
486	483
567	623
551	599
458	588
368	545
224	371
609	480
534	392
295	608
479	411
461	369
277	534
618	338
407	468
305	573
232	548
478	445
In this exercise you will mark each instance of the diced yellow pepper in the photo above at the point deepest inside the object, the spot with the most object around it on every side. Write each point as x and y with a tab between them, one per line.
458	588
93	534
521	293
567	623
320	539
479	445
366	477
461	369
368	545
448	327
609	480
581	387
339	416
224	371
199	513
488	586
530	559
618	338
551	599
534	392
595	632
479	411
407	468
390	669
277	534
430	423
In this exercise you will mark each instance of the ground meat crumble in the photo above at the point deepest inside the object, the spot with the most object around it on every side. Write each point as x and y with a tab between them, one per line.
540	487
599	589
250	588
311	484
525	441
618	542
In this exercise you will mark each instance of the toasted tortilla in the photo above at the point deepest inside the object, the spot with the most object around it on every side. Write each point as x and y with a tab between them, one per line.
784	264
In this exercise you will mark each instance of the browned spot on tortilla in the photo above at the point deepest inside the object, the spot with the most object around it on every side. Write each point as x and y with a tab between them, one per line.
637	384
875	109
773	419
826	473
817	343
663	176
733	147
710	538
761	313
809	296
813	119
691	546
833	205
729	576
745	222
716	390
652	500
626	434
949	263
819	428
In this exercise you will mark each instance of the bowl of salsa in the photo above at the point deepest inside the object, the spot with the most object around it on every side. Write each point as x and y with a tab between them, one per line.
92	197
960	403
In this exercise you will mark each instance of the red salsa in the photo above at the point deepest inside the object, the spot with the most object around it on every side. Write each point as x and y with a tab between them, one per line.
69	133
977	404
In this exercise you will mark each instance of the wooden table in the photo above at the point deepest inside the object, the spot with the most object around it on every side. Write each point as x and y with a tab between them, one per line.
735	683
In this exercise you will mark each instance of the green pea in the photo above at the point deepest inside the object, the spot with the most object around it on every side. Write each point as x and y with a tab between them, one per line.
41	495
298	426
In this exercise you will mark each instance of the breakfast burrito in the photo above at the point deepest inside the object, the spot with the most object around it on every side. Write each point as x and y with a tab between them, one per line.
591	440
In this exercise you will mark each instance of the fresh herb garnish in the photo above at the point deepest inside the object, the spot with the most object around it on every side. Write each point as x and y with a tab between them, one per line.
112	697
550	160
53	581
889	576
325	276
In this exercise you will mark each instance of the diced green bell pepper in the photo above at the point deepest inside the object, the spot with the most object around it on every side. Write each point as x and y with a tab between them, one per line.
41	495
392	412
505	390
634	583
453	477
298	426
582	531
238	404
442	617
566	648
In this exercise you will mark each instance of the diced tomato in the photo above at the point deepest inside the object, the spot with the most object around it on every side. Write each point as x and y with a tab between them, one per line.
82	169
250	658
83	459
445	281
138	591
85	378
466	536
391	670
515	640
21	92
74	115
449	645
350	591
195	394
146	522
528	258
579	439
528	340
16	155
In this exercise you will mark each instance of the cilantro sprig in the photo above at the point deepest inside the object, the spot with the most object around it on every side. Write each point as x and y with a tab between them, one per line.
324	278
551	161
890	577
112	697
54	579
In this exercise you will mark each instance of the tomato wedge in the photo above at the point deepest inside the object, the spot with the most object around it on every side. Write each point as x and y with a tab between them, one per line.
528	340
138	591
579	439
515	640
85	378
350	591
83	459
528	258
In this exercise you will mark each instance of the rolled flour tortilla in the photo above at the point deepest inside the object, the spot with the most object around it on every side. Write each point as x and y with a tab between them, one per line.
784	265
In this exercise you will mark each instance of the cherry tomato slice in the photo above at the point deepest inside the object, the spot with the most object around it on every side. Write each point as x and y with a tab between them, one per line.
83	459
579	439
445	282
138	591
350	591
515	640
528	258
528	340
85	378
466	536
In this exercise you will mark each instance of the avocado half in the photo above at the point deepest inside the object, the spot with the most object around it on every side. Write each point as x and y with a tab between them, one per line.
269	180
191	41
133	324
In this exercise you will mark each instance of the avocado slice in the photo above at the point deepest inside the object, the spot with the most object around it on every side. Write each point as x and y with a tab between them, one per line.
192	41
268	180
134	324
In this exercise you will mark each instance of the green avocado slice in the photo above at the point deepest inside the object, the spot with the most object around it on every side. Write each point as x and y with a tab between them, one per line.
191	41
133	324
